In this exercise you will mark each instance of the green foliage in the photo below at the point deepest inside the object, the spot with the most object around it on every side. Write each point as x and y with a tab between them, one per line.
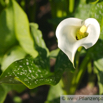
54	53
99	64
83	10
92	1
91	10
30	71
56	21
100	0
22	29
25	59
17	99
3	93
94	10
63	63
96	52
54	92
56	100
58	8
14	54
5	88
39	44
34	72
97	13
2	5
100	80
7	33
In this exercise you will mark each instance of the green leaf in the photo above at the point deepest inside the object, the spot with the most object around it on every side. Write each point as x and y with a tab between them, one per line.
2	5
100	80
56	1
30	72
97	13
55	21
54	93
17	99
96	52
56	100
97	55
34	72
100	0
4	89
92	1
7	33
14	54
99	64
14	26
18	87
22	29
0	70
59	8
39	43
1	59
83	10
54	53
63	63
3	94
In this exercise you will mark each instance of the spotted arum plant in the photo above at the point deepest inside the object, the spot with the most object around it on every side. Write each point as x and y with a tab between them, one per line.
24	57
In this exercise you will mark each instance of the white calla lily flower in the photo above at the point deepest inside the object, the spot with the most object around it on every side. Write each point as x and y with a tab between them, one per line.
68	30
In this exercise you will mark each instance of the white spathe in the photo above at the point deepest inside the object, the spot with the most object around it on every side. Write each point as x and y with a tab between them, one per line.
66	35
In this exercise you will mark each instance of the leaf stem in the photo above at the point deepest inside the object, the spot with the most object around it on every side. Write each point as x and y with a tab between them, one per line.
71	5
77	57
78	75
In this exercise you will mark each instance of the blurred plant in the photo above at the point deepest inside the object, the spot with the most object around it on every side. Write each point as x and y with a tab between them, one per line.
29	6
61	9
24	57
86	60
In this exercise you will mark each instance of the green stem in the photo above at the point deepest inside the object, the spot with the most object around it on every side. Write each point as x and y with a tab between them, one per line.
78	75
71	5
77	57
66	80
91	76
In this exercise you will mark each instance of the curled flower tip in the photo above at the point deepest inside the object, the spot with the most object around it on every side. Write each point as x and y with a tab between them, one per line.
73	33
